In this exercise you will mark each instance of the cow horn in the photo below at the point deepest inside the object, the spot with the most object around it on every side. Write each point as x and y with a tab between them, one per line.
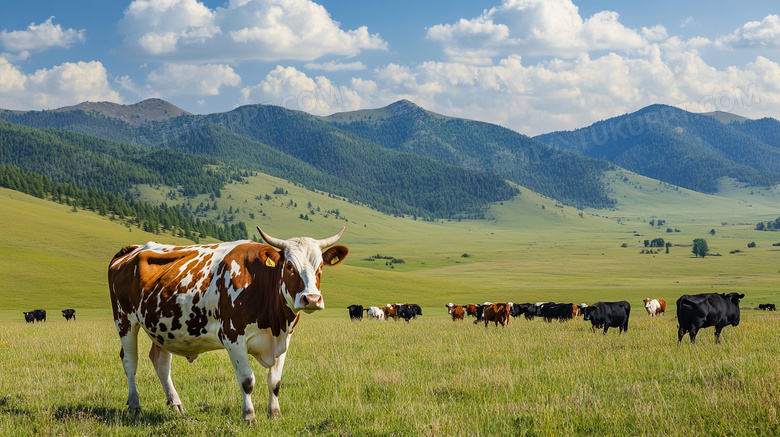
275	242
332	240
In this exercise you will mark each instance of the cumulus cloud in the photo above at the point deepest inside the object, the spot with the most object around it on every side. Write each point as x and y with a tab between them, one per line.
535	27
764	34
267	30
39	37
337	66
173	79
557	94
61	85
293	89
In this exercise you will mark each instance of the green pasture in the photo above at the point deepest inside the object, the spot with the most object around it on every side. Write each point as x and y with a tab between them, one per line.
430	376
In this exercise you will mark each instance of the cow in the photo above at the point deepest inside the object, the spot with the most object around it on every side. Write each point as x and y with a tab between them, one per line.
375	313
655	307
29	316
497	313
456	311
525	309
390	310
767	306
355	312
69	314
242	296
555	311
704	310
40	315
608	315
405	311
470	309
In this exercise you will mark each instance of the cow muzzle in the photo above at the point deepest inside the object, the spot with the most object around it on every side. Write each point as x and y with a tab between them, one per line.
312	302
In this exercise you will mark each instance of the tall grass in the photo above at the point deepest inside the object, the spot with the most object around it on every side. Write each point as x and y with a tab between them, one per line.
427	377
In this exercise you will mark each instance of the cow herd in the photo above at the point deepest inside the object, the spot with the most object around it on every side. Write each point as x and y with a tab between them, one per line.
405	311
40	315
694	312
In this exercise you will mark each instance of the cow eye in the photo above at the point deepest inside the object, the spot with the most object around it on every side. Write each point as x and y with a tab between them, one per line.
290	267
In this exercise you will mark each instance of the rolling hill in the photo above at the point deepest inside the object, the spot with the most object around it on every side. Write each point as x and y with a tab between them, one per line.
693	151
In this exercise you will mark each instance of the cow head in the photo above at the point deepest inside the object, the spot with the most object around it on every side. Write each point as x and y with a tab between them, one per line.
302	269
734	297
587	312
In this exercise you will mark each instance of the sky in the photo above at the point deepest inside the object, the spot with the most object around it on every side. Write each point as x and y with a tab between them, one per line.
534	66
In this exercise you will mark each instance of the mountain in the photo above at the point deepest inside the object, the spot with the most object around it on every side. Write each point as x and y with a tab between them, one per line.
406	127
691	150
297	147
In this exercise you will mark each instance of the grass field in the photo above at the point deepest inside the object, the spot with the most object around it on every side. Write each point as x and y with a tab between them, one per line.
428	377
431	376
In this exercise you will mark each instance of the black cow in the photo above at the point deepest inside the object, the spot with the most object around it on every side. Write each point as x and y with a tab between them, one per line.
355	312
40	315
524	309
608	315
704	310
560	311
480	313
416	309
69	314
767	306
29	316
406	311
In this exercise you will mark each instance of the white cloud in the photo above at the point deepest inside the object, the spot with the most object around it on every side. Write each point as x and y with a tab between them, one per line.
39	37
293	89
61	85
11	79
535	27
267	30
336	66
764	34
569	93
173	79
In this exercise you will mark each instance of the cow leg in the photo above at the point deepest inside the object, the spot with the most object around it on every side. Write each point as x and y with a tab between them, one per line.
161	360
246	378
129	355
680	334
718	328
274	385
692	335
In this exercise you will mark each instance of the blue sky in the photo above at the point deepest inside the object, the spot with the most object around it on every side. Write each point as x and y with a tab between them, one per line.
531	65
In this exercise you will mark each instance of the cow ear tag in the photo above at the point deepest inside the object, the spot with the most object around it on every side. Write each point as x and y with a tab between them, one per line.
269	262
335	260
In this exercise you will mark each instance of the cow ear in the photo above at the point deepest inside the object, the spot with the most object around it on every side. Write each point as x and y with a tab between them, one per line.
741	296
269	256
334	255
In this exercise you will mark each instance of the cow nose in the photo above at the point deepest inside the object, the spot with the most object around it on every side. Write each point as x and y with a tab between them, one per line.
312	301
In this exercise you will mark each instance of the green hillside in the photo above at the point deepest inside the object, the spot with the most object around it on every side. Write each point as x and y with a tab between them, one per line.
406	127
530	248
668	144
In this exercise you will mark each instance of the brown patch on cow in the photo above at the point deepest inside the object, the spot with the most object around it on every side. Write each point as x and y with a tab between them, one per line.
124	251
277	388
457	312
248	386
197	322
260	301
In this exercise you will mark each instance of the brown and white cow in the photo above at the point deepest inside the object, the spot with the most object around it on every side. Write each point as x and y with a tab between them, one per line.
456	311
655	307
242	296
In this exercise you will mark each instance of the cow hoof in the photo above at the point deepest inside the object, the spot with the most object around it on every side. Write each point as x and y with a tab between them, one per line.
178	408
250	418
274	414
134	411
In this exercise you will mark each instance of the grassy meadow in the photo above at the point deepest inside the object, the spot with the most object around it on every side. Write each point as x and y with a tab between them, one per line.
428	377
431	376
